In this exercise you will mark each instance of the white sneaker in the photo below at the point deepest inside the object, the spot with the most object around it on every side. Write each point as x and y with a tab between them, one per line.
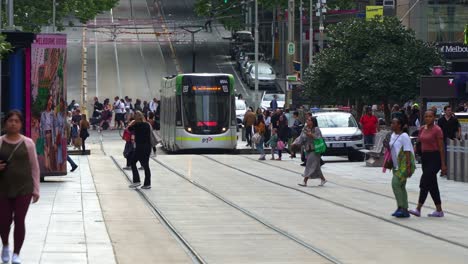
16	259
322	183
6	254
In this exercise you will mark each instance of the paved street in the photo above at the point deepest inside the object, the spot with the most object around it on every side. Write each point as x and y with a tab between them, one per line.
215	208
233	209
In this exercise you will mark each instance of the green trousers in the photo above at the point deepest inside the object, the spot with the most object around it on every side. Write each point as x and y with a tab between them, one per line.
399	189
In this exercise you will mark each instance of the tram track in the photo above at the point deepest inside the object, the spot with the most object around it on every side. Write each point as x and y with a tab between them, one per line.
356	188
246	212
195	256
341	205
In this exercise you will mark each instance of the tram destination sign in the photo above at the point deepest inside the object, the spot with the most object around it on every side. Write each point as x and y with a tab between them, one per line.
214	85
453	50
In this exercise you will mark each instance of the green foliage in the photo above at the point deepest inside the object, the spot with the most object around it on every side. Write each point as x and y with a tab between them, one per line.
370	61
32	15
5	46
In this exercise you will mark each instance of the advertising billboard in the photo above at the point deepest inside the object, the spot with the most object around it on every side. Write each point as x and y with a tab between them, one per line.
49	127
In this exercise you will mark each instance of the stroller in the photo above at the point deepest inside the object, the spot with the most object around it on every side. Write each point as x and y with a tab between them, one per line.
101	119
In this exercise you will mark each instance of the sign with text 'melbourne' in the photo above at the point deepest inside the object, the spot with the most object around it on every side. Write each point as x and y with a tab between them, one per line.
453	50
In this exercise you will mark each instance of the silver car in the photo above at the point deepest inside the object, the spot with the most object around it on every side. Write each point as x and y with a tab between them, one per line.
341	134
266	76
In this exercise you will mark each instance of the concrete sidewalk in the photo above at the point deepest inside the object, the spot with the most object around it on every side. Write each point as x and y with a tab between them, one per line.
66	225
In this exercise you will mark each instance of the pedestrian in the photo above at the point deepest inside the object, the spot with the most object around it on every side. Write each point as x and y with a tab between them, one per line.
142	133
138	106
450	125
414	120
71	106
153	105
119	110
106	115
84	134
249	121
75	129
433	160
369	124
273	143
209	22
274	103
146	108
259	111
402	159
260	130
312	170
284	134
268	127
128	149
19	183
296	130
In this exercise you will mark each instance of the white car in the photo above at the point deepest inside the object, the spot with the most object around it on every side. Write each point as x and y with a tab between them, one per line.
241	109
268	97
266	76
341	134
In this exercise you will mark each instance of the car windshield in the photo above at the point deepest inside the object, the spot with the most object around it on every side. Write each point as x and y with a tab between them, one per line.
244	37
269	97
240	105
263	70
336	120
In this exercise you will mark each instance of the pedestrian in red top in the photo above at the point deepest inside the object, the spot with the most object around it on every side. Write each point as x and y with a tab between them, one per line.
433	161
369	124
19	183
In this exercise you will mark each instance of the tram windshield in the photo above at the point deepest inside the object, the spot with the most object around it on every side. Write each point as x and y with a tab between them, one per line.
206	108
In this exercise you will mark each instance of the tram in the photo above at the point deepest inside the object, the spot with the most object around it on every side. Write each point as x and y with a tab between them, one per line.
198	111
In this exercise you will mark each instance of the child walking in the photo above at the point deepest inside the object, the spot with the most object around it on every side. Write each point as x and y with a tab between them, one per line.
273	143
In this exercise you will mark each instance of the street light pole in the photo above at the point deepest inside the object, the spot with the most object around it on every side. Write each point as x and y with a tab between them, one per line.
301	39
257	99
311	32
193	32
10	14
53	16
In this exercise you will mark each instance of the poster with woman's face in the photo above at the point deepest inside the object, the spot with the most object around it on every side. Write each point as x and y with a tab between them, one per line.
48	90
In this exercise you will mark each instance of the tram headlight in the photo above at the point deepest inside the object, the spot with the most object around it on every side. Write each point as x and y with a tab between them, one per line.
189	129
224	129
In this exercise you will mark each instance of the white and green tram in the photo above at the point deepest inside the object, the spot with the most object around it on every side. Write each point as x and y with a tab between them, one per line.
198	112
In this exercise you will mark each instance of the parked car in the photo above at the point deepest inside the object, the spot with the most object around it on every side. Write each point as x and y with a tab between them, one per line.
240	40
241	109
266	76
341	134
268	97
244	71
244	56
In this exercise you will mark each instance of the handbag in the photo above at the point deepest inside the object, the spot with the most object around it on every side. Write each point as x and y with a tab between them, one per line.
388	161
256	138
280	145
320	146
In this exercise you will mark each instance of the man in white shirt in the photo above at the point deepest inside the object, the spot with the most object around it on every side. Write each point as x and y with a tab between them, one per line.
119	110
153	105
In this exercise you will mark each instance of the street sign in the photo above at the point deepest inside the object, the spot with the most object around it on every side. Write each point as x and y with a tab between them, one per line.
291	48
374	11
291	78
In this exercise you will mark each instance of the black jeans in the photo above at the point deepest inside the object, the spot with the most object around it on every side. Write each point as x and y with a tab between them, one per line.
428	184
83	147
248	134
141	154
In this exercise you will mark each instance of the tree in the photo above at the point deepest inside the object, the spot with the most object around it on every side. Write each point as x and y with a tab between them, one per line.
370	61
32	15
5	46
